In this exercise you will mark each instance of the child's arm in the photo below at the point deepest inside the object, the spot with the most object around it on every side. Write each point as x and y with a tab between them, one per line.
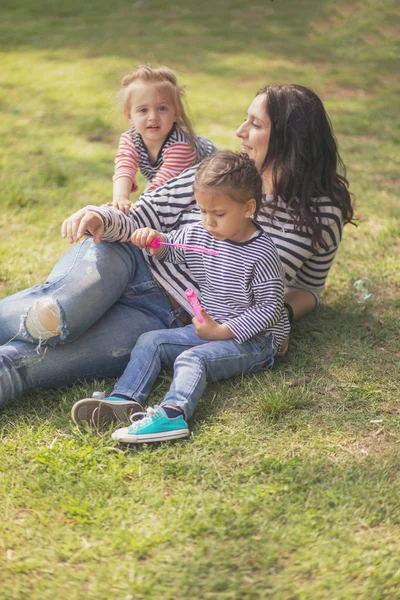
176	159
265	312
210	330
121	190
170	253
143	237
126	166
268	291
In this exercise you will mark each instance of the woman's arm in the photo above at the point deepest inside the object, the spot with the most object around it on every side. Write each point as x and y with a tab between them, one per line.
312	275
164	210
81	223
306	268
298	303
302	302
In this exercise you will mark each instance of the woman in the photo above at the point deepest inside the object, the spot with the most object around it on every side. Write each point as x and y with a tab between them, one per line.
101	296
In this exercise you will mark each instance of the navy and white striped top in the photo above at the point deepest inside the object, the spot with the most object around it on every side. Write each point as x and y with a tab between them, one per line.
242	287
173	206
175	155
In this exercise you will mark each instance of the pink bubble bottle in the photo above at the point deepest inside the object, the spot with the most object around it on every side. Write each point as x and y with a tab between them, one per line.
194	303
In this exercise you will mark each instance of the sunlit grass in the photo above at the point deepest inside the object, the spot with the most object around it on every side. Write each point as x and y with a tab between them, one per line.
289	486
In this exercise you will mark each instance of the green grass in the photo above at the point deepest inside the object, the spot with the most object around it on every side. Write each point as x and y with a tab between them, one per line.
289	486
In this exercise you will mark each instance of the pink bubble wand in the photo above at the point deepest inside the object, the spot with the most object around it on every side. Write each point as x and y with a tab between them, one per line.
157	242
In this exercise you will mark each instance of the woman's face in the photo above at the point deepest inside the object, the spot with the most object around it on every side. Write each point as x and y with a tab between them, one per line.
255	131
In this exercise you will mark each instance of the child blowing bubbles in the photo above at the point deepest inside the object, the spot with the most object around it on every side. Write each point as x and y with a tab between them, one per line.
241	292
161	141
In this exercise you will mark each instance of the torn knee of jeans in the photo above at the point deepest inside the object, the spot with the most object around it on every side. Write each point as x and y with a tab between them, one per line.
44	321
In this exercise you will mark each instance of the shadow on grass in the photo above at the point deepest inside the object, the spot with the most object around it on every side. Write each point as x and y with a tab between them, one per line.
321	345
322	366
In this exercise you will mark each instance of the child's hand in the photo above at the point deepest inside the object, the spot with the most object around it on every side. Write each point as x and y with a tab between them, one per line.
143	237
210	330
122	204
84	220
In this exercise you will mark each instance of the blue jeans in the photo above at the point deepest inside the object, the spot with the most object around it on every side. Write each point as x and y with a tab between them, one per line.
106	298
195	362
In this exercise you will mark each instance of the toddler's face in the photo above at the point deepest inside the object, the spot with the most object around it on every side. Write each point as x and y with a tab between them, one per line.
152	113
224	218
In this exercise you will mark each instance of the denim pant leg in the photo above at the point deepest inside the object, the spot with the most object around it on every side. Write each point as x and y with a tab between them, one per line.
103	349
84	284
152	352
214	361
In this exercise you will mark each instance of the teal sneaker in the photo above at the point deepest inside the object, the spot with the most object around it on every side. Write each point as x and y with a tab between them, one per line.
154	427
101	412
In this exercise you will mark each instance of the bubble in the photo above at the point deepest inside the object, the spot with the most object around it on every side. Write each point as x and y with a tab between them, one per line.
362	292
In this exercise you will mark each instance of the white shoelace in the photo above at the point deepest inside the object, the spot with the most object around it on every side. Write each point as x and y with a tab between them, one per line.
150	412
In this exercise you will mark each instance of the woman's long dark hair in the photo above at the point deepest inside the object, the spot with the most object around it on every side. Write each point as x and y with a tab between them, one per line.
304	157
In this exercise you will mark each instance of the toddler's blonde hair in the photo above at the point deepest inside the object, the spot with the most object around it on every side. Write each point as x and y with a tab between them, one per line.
166	82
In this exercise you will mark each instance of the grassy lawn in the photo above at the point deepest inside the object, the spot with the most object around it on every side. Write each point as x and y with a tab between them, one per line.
289	487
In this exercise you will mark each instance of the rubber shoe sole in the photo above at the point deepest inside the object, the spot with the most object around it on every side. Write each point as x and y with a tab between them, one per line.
122	435
102	413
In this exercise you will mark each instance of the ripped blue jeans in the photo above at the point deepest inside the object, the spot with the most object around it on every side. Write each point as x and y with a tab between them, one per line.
104	297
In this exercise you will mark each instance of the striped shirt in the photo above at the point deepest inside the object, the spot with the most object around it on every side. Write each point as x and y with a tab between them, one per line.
242	287
175	155
173	206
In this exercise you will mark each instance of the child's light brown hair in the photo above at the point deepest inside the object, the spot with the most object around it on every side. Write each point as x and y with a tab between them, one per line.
234	172
166	82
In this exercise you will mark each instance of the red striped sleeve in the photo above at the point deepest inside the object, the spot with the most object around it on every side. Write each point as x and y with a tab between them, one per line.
126	160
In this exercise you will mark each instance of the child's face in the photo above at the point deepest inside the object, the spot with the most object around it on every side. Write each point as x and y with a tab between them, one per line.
224	218
152	113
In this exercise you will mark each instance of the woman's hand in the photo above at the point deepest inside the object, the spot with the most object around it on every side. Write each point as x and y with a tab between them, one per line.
210	330
143	237
84	220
